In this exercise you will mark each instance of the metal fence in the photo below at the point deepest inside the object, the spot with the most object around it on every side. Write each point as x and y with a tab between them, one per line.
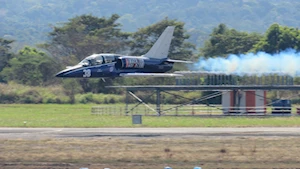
191	110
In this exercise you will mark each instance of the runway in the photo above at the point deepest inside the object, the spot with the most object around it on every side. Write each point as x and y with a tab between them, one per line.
40	133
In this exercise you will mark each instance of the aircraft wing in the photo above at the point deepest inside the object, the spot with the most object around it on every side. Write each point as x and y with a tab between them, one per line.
150	75
178	61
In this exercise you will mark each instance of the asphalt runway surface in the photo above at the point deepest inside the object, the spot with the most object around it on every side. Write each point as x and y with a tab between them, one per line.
41	133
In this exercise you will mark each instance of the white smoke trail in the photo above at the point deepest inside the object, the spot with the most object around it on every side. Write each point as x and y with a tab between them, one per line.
285	62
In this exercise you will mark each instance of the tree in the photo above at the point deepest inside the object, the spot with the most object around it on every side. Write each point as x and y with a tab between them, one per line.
5	55
85	35
279	38
145	37
30	67
224	41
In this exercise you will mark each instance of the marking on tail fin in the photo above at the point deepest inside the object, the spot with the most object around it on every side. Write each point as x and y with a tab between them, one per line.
160	49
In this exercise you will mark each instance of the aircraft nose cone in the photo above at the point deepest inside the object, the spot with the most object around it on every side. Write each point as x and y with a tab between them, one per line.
60	74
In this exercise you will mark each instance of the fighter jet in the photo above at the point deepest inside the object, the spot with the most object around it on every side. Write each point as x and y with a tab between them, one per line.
154	63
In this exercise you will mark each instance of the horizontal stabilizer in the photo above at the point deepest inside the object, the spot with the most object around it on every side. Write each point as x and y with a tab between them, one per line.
149	75
179	61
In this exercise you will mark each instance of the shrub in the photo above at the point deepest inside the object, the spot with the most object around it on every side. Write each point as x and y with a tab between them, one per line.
8	98
31	96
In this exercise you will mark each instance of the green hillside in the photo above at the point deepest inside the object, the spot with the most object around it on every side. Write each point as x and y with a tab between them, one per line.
29	21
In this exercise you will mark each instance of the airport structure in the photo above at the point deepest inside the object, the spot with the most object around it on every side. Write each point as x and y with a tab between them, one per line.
241	94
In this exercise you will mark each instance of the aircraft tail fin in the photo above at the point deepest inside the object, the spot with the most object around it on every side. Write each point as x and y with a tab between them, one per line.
160	49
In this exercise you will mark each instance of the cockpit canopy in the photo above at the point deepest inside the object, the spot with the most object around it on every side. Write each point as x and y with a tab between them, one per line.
98	59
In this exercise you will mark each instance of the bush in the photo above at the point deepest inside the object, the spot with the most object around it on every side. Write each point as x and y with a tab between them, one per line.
112	100
9	98
99	98
16	93
295	101
31	96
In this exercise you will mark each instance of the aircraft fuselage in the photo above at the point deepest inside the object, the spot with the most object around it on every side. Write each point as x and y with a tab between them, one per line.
120	65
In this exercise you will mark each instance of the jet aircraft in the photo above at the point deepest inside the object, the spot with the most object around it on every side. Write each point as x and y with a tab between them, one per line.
154	63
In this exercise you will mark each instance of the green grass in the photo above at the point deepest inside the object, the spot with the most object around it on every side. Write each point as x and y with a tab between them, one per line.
47	115
79	115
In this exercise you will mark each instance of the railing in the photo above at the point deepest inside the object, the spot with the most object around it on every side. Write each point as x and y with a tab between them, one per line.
107	110
190	110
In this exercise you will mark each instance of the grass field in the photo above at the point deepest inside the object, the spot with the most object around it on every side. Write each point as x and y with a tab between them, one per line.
79	115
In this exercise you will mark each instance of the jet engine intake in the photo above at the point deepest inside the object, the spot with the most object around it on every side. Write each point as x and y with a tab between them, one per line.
130	63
